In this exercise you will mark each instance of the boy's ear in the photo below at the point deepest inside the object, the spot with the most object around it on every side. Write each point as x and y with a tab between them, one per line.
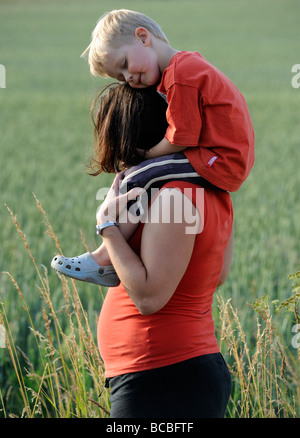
143	35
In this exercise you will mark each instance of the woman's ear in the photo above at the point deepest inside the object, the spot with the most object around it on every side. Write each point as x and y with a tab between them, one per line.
143	35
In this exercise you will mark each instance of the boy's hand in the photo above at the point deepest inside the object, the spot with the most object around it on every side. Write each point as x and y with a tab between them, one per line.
164	147
142	153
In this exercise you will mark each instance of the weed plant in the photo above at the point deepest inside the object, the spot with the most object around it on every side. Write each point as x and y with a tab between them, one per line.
66	378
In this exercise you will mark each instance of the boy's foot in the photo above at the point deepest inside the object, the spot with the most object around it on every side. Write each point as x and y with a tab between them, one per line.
84	268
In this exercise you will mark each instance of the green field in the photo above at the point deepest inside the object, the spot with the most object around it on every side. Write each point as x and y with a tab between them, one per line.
46	139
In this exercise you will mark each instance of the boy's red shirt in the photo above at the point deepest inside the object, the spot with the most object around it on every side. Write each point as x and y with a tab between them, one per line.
209	115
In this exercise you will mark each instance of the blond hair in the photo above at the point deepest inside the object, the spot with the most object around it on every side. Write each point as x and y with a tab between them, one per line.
113	28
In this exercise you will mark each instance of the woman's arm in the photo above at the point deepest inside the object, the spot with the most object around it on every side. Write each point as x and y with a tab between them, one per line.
151	278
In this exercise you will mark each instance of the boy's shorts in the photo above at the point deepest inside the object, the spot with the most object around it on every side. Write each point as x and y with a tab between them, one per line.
154	173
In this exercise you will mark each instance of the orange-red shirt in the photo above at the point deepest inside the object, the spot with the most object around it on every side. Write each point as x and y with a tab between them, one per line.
184	327
206	109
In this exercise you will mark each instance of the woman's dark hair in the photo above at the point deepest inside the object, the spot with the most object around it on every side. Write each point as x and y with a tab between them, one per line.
126	119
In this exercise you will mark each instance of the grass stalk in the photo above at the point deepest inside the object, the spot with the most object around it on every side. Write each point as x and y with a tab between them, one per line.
69	373
265	377
69	358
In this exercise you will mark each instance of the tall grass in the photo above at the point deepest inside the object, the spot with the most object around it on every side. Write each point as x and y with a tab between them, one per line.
66	379
46	136
266	379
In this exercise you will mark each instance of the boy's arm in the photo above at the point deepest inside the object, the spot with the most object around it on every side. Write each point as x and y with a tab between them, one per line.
164	147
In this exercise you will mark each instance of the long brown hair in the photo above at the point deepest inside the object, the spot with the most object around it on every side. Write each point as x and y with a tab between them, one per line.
125	119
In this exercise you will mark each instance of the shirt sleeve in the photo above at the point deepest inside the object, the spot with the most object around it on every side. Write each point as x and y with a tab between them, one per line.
184	115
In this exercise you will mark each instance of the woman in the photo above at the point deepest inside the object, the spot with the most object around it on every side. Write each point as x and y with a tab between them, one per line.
156	331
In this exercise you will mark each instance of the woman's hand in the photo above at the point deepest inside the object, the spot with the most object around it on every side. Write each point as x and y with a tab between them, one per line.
111	195
114	204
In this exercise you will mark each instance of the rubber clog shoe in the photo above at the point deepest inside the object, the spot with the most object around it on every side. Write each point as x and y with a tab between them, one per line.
84	268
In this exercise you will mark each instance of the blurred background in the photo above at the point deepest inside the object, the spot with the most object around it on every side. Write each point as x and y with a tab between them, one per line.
46	138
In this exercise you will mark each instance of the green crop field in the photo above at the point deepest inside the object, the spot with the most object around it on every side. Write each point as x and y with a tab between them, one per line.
49	364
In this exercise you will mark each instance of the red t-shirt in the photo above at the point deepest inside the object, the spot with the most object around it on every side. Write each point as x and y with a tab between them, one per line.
184	327
206	109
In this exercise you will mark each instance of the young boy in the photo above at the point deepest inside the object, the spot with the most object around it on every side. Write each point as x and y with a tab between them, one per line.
208	119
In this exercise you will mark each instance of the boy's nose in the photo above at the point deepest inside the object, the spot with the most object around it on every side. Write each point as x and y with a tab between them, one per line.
128	77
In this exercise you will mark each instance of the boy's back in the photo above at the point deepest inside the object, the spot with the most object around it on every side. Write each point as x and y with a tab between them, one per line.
206	109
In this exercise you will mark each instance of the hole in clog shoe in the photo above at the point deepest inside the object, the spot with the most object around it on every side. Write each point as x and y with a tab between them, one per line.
68	267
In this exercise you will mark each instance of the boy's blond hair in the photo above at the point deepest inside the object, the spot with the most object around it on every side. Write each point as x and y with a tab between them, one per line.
113	28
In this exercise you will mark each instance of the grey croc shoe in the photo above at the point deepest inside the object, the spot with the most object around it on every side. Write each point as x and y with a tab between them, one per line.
84	268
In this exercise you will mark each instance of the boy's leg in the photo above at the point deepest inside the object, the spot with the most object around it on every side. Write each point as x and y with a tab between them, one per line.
95	267
100	255
158	171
